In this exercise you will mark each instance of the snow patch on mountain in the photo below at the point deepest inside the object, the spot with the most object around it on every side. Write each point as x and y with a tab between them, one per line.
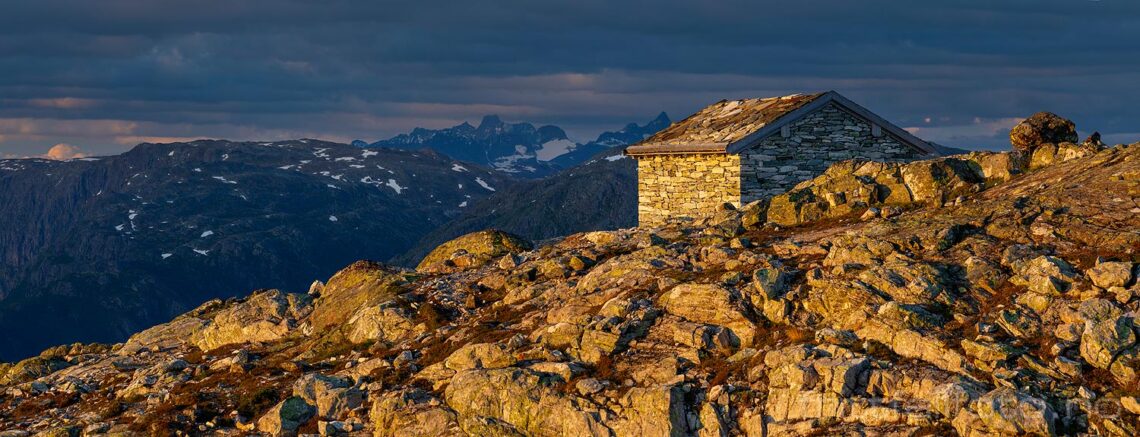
396	186
483	184
554	148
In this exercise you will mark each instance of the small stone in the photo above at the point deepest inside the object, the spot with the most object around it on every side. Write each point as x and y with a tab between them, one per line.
1018	324
1086	393
871	214
589	386
315	288
1130	403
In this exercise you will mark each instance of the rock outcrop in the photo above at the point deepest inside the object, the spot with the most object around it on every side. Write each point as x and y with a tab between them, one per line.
980	299
1041	128
472	250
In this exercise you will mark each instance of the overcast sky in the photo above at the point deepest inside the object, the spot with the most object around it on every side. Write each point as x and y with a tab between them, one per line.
105	75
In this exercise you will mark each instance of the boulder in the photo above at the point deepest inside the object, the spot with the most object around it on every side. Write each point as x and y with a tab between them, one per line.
1102	341
1094	311
362	284
412	412
1011	412
711	304
937	181
479	356
843	376
843	303
1111	274
265	316
32	368
472	250
1039	128
995	168
1045	274
387	323
1019	323
652	411
1048	154
333	396
950	398
285	417
167	335
1126	366
522	399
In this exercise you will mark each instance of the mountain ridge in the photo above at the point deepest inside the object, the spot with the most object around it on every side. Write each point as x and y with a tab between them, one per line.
136	231
519	149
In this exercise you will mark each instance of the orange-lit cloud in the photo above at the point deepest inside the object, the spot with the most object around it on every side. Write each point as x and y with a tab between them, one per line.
131	140
63	103
63	152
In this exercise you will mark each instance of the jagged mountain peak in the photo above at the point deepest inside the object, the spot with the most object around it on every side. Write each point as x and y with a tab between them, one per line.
519	148
490	122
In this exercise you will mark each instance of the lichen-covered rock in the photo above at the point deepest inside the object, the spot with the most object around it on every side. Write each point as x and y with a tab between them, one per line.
1045	274
362	284
171	334
1047	154
412	412
472	250
852	187
712	304
1108	274
479	356
1103	340
264	316
1042	127
522	399
652	411
332	396
385	323
1010	412
32	368
284	418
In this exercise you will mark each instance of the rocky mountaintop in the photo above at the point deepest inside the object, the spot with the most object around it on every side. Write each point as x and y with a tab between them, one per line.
519	149
976	295
99	248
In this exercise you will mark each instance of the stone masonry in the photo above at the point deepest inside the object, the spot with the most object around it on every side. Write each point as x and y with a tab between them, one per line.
695	185
685	185
816	141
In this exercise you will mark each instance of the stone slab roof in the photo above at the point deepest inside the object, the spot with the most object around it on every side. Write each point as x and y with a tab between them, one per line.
729	126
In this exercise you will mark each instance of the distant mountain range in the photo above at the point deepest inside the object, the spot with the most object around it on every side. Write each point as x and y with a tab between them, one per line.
95	249
519	149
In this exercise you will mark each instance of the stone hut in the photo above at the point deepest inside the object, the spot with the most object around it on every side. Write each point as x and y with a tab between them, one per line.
738	151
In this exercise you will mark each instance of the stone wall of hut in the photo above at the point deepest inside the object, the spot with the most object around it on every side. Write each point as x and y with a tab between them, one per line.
685	185
812	144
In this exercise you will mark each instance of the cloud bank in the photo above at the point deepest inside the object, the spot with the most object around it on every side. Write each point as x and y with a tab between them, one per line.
63	152
106	75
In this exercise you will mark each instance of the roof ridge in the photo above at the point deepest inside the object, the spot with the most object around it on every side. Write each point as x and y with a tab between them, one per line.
727	126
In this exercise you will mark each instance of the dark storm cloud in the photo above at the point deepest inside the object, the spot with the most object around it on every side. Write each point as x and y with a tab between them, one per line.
104	75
